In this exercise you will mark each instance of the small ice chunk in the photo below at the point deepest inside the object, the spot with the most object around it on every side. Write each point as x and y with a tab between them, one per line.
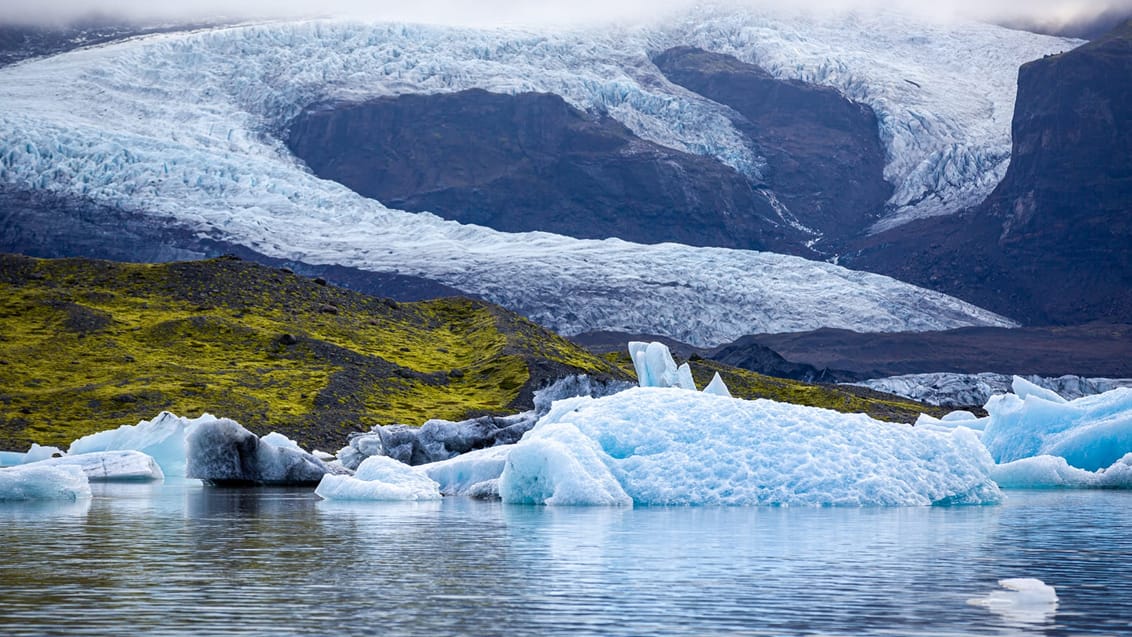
959	415
655	367
380	478
111	466
717	387
1023	600
43	482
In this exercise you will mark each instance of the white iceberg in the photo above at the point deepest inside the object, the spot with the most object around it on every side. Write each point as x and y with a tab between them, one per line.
673	447
163	438
380	478
717	387
655	367
1090	433
43	482
110	466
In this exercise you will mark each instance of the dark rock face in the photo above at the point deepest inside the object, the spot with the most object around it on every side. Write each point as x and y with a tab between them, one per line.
826	160
532	162
1053	243
748	353
44	225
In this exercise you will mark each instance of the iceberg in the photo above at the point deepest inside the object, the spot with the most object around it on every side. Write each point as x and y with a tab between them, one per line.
667	446
221	452
1090	433
379	478
163	438
110	466
1048	472
717	387
43	482
655	367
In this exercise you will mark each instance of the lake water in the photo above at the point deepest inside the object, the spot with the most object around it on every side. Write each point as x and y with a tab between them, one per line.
184	559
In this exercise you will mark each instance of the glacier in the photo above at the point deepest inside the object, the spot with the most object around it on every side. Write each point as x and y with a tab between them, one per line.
185	128
949	389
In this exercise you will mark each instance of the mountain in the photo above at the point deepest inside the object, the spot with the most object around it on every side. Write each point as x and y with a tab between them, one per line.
1051	244
89	345
182	137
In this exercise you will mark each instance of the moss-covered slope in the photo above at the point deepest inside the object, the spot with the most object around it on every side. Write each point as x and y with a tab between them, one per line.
750	385
90	345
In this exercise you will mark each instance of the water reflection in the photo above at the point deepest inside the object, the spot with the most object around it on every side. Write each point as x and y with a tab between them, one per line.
179	558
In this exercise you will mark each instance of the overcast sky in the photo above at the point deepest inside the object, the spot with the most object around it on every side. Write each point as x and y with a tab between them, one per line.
490	12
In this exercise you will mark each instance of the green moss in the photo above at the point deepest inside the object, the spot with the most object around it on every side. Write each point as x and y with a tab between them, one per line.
90	345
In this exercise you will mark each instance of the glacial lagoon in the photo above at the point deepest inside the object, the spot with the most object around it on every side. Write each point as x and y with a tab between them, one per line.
179	558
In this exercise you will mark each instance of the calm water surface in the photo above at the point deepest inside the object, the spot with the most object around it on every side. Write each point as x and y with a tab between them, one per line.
184	559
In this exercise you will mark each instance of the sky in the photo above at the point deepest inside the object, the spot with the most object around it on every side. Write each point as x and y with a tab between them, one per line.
506	12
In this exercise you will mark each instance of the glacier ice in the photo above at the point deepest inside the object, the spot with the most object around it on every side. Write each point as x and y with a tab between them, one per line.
180	127
219	451
655	367
379	478
669	446
1091	433
110	466
947	389
37	481
163	438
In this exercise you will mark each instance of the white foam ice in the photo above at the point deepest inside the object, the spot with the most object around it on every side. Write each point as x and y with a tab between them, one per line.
379	478
37	481
670	446
186	128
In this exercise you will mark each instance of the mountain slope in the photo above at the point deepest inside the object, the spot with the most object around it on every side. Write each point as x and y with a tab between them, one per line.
90	345
1051	244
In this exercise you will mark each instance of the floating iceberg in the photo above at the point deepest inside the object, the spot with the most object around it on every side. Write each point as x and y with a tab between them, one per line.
110	466
1091	433
380	478
673	447
43	482
1022	601
163	438
221	452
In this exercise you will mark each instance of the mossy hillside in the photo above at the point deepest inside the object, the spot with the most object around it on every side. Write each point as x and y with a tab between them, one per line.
750	385
89	345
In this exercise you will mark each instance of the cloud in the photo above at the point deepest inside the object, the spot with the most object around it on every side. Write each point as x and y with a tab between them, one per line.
499	12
